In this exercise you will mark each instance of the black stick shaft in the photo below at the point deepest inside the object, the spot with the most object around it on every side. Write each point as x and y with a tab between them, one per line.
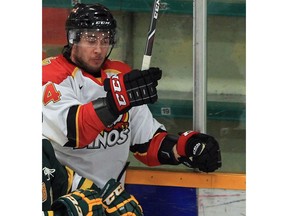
123	171
150	36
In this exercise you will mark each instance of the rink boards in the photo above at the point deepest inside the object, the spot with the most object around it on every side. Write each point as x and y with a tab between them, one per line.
188	194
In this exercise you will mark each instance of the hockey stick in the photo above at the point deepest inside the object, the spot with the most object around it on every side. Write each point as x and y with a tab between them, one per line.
123	170
150	36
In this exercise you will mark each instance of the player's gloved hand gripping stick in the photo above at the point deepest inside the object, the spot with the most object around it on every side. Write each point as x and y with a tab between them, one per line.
136	87
132	89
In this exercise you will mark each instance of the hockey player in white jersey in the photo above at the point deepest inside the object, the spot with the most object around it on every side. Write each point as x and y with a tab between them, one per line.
95	110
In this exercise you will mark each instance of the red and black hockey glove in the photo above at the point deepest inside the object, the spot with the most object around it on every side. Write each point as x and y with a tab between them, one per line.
198	150
132	89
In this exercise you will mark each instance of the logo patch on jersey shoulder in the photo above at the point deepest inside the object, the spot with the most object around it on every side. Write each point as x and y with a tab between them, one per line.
47	60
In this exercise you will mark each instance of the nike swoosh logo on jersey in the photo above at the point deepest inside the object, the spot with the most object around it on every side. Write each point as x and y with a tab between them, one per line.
80	87
166	153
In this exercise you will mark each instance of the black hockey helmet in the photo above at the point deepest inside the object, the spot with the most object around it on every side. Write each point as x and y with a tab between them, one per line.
94	17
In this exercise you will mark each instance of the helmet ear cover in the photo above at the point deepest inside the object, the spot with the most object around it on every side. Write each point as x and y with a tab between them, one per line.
73	36
90	17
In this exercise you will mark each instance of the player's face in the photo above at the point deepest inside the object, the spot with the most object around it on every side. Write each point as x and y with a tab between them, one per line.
90	52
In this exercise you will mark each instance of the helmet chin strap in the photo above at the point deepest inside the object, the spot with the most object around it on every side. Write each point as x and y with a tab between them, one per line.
67	52
112	46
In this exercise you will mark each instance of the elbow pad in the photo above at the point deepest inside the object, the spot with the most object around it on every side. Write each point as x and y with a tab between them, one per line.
103	111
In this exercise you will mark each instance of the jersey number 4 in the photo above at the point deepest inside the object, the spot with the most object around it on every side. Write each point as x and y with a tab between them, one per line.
50	94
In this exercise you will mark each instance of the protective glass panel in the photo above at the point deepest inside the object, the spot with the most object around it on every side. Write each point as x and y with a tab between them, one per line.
173	53
226	85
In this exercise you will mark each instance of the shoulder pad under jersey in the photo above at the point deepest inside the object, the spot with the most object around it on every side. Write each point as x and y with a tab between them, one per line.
56	69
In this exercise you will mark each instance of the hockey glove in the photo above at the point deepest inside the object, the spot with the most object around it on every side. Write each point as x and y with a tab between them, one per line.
80	202
198	150
132	89
118	202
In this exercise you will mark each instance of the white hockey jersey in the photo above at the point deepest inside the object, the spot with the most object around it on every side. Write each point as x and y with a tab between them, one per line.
79	138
